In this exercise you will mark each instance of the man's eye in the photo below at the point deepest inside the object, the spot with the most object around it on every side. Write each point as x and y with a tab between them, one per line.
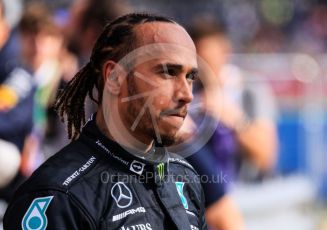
192	76
169	73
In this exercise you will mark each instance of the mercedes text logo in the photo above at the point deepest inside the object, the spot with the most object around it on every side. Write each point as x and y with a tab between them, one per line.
122	195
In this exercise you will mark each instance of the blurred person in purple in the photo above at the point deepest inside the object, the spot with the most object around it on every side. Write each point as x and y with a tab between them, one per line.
245	133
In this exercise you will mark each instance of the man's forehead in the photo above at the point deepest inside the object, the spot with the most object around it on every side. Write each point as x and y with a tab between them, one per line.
161	53
163	32
165	43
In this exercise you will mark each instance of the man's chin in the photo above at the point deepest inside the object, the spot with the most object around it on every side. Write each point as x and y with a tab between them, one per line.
166	140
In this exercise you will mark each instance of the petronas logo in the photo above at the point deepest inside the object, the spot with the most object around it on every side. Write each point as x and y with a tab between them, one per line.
179	187
35	218
161	170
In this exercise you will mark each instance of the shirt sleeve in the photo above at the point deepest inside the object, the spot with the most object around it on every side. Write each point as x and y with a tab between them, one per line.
47	210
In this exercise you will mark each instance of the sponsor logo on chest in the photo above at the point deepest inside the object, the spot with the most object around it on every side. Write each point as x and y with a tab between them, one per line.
146	226
127	213
137	167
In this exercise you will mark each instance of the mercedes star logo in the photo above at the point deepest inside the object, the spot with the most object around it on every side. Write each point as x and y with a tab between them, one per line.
122	195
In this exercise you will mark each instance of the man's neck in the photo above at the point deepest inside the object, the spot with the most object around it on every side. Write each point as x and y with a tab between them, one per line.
106	128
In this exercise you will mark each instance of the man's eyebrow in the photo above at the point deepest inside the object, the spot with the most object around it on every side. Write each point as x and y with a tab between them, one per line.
174	66
166	66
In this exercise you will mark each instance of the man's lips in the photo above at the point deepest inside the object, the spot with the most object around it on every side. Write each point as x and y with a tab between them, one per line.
174	112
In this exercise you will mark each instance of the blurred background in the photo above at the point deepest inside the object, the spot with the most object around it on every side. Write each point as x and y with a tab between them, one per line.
274	48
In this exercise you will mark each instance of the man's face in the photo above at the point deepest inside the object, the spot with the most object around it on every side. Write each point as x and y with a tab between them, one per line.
154	98
39	47
215	51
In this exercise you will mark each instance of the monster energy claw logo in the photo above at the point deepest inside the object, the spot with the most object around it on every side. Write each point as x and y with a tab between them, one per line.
179	187
35	218
161	169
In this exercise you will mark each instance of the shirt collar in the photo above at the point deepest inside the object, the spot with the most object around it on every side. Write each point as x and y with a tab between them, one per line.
156	162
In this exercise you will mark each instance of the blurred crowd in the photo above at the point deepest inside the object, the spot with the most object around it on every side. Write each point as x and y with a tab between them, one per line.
258	26
45	44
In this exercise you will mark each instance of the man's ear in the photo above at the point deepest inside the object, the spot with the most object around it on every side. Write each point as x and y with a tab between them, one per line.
113	76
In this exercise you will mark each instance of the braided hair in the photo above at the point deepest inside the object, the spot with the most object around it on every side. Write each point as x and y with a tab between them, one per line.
116	40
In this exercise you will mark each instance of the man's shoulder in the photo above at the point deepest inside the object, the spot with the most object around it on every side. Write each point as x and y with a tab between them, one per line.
72	176
178	162
64	169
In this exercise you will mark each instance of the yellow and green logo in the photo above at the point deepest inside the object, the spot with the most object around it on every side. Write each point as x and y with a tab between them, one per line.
161	170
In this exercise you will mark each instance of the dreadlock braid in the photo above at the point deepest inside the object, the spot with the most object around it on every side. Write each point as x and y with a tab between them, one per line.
116	40
71	100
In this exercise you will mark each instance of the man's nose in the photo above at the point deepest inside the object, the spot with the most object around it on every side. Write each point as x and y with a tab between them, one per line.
183	91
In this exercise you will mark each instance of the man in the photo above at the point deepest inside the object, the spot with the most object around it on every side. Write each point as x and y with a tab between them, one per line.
88	17
41	48
16	107
98	183
244	107
16	100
